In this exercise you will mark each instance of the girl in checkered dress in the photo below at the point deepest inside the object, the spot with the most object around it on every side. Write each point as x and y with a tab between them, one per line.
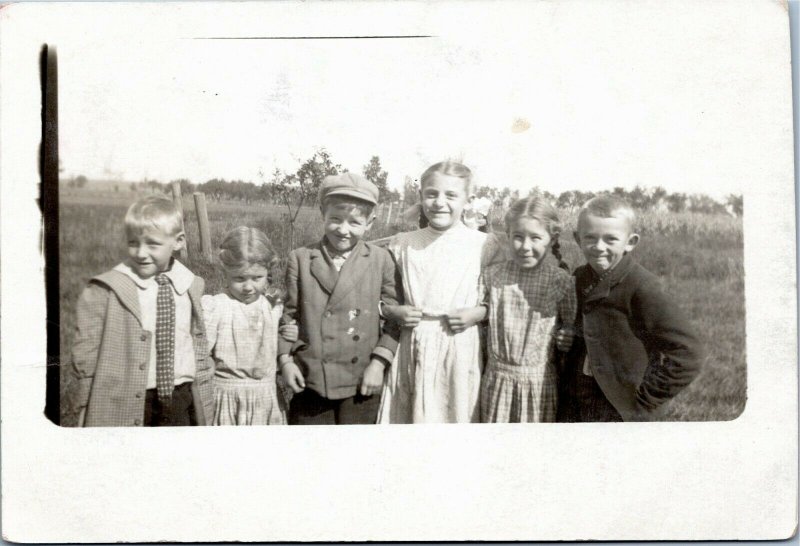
532	306
242	329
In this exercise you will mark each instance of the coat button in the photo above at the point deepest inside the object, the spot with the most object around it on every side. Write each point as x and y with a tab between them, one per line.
143	337
139	394
138	422
354	359
141	366
324	362
328	314
356	337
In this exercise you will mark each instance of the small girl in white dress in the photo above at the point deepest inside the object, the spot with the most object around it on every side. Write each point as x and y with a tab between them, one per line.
242	330
436	374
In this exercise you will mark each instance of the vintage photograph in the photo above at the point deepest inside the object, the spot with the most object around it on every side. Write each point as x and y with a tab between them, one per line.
551	243
326	243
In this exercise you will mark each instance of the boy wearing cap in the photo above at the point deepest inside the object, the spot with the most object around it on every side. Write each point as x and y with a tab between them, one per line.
336	367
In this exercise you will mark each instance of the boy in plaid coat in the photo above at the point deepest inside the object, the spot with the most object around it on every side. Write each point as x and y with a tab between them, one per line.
116	378
336	368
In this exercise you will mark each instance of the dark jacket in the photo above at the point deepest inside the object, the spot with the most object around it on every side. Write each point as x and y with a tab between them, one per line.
338	316
642	350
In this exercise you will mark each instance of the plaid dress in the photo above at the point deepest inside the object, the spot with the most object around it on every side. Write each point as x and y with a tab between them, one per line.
243	342
525	307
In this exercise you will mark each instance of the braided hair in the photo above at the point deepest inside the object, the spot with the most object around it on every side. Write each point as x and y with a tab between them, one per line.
538	208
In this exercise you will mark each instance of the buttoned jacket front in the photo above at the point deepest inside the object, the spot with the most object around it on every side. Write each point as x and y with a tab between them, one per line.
340	327
111	354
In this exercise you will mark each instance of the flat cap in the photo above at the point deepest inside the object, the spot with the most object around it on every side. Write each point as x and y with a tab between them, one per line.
351	185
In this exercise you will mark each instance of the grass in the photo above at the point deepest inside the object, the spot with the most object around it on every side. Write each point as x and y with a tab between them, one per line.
699	259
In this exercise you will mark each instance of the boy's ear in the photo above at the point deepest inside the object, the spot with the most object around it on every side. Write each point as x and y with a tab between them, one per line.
370	221
180	241
633	240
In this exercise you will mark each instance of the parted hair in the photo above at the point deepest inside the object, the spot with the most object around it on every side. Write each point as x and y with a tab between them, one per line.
446	168
245	246
536	207
153	212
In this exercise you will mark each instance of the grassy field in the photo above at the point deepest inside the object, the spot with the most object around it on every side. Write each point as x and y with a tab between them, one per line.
699	259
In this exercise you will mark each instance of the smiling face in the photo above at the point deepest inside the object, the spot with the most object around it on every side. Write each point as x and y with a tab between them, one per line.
530	242
604	241
443	198
345	225
150	250
248	283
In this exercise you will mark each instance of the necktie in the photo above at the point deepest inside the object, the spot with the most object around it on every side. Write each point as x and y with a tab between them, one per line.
165	339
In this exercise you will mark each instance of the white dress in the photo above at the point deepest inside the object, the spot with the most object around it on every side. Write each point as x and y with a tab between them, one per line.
243	343
436	374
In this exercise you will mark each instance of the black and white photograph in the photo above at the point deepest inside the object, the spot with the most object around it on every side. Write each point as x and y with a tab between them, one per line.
558	236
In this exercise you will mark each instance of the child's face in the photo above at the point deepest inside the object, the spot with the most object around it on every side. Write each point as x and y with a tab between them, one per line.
443	199
604	241
530	242
150	251
344	226
248	283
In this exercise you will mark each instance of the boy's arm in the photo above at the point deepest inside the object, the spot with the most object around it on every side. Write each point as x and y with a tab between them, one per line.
291	312
391	288
663	328
90	321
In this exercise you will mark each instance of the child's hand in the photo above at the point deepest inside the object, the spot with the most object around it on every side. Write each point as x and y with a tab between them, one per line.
564	338
404	315
462	319
372	382
293	376
289	332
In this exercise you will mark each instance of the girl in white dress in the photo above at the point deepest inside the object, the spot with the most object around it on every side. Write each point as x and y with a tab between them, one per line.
242	330
436	374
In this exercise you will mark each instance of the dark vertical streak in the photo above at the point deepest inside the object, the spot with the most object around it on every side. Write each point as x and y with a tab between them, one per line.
48	192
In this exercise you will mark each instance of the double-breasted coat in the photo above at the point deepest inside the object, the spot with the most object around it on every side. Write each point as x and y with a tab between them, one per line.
340	328
111	354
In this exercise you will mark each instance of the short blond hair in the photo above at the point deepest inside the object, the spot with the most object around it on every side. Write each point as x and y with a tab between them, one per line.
156	212
608	206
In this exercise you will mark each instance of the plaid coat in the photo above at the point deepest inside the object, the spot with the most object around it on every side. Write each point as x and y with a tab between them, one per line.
111	354
337	313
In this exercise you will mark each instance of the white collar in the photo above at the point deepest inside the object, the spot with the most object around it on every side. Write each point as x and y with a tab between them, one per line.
178	274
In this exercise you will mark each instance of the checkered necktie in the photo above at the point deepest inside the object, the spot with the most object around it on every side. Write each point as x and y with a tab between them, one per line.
165	339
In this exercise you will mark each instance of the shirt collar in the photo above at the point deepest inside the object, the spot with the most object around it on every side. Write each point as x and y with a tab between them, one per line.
333	253
179	275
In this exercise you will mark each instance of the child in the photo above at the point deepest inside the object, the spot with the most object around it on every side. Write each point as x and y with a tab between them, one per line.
638	350
139	355
334	287
242	326
437	372
528	298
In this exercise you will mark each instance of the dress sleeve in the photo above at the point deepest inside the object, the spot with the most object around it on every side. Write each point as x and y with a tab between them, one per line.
568	302
211	319
90	321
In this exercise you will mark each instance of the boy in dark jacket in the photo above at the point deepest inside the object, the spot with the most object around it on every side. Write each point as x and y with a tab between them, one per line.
637	350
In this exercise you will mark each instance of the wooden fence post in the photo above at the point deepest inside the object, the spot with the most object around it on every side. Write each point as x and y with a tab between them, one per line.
178	200
389	216
202	221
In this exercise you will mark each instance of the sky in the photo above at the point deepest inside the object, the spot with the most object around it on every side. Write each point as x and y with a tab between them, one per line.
522	102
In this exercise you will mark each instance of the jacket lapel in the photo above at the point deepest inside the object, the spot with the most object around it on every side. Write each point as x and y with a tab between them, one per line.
603	288
125	290
323	271
352	271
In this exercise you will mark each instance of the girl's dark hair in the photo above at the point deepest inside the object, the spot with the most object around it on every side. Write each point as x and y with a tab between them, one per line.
245	246
538	208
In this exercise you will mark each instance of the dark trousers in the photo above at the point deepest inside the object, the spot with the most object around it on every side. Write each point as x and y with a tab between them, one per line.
581	400
178	413
309	408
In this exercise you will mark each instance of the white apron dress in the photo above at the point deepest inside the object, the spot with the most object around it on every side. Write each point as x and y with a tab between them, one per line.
436	374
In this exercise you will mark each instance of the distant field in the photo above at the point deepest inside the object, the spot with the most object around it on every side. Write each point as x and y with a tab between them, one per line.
699	259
